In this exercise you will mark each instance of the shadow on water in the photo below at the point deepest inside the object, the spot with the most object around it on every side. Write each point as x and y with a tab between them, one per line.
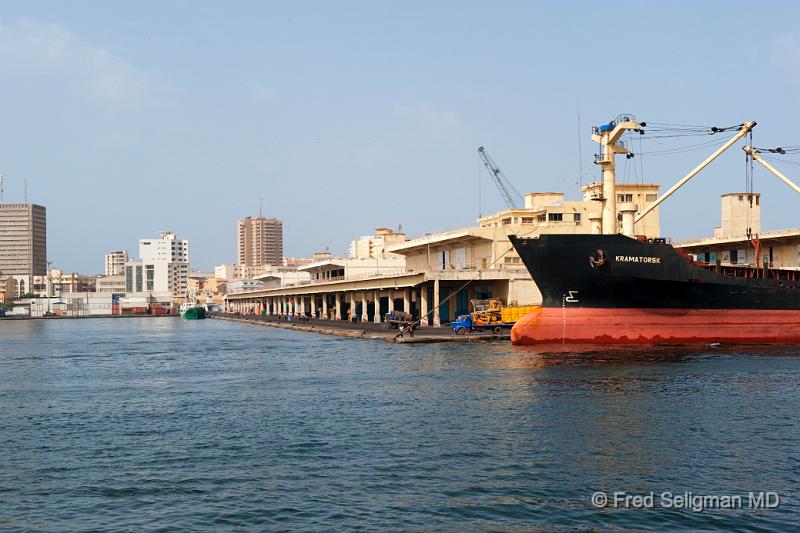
637	355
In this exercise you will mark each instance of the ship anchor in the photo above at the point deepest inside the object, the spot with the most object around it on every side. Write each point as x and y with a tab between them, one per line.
597	260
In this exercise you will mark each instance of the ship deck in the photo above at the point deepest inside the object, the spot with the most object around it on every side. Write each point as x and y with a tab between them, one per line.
750	272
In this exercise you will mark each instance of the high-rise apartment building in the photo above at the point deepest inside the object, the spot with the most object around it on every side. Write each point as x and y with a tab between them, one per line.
259	241
23	243
115	262
163	265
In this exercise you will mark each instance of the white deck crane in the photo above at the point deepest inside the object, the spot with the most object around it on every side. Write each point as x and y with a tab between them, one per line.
499	178
752	152
744	129
607	136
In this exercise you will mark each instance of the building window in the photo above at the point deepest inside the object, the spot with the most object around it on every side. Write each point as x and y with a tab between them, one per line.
619	217
576	217
541	218
625	197
527	220
651	197
506	221
555	217
734	255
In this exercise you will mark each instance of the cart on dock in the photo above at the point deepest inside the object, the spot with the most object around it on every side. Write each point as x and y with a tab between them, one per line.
398	319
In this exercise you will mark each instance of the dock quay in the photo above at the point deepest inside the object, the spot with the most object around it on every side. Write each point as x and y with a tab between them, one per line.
10	318
361	330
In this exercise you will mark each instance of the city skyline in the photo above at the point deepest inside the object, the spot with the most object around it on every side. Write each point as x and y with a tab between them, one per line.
347	119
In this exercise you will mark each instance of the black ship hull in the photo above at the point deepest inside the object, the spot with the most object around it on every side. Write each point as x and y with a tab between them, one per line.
612	288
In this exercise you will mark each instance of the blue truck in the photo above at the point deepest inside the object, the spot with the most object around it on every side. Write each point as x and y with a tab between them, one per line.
491	315
465	324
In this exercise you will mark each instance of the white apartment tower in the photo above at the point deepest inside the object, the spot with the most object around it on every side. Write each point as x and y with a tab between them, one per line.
166	263
115	262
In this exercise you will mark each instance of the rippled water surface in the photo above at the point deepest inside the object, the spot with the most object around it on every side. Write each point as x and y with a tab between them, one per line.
155	423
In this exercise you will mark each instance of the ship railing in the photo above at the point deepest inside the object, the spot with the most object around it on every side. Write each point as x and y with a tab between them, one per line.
694	240
751	271
654	240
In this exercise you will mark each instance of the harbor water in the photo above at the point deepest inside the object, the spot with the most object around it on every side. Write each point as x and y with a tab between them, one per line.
144	424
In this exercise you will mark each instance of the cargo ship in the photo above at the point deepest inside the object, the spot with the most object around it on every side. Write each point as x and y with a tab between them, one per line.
614	287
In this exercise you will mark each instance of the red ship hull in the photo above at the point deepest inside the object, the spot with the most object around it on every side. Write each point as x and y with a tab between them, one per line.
549	325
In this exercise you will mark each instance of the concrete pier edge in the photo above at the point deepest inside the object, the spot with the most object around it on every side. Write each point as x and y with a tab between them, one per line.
387	336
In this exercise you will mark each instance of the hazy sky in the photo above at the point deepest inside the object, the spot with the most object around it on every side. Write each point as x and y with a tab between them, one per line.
129	118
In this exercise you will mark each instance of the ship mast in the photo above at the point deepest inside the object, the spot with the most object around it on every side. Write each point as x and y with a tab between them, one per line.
607	136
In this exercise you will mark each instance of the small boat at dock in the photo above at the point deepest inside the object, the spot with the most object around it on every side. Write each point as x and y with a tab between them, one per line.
191	311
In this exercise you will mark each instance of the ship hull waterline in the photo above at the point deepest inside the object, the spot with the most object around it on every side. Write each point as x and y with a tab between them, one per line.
656	326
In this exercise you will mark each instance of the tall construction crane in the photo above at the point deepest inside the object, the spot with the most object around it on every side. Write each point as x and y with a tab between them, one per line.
499	178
